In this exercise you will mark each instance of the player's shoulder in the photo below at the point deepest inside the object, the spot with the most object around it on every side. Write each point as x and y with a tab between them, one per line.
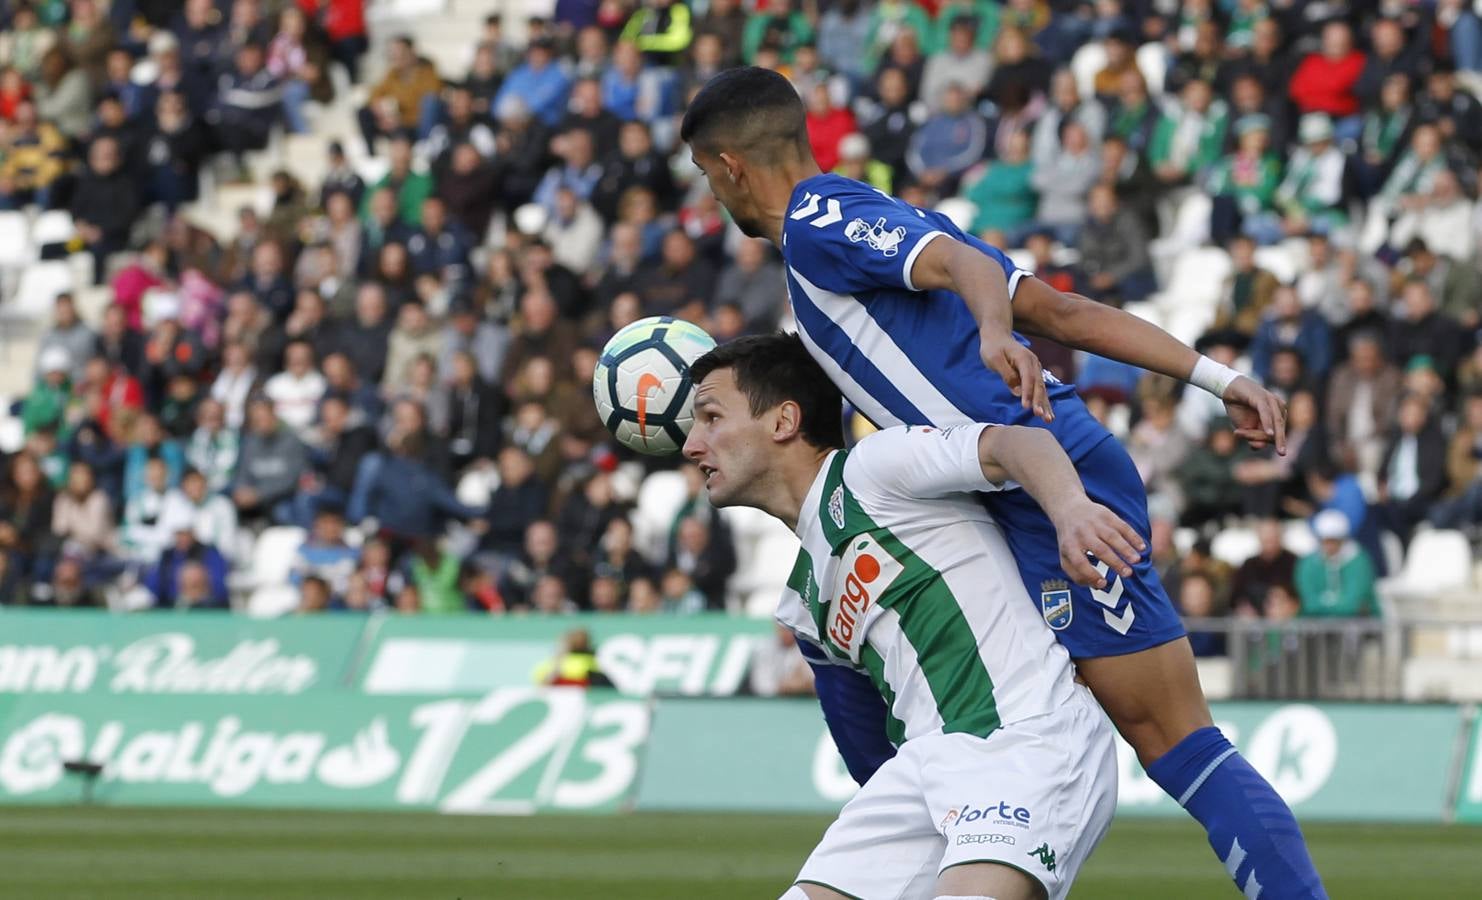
822	205
831	185
892	449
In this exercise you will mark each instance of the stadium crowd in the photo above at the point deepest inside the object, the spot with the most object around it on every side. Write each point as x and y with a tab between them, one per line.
352	361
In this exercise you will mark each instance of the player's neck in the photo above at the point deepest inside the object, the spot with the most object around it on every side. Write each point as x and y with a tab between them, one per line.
792	479
777	188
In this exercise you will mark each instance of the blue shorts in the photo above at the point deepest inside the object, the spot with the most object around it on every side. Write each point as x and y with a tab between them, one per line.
1129	615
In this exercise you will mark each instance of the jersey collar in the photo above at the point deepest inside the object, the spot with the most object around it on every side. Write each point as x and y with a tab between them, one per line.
808	515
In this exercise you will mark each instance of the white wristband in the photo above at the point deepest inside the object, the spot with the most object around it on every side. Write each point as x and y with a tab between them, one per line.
1212	376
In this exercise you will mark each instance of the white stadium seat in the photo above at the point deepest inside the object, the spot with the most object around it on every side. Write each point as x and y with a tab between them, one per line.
272	557
272	601
659	500
1184	540
40	284
52	227
1279	261
1189	302
1196	282
1152	62
1088	61
960	210
1235	545
477	486
12	432
1438	561
1297	537
1394	551
16	248
761	543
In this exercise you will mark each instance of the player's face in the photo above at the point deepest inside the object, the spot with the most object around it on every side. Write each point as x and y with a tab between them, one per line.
726	441
729	191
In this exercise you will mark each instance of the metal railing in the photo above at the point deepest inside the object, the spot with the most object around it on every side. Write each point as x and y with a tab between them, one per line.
1331	659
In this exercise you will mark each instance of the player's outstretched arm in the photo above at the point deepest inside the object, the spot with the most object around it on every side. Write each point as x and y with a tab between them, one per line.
948	264
1033	458
1083	324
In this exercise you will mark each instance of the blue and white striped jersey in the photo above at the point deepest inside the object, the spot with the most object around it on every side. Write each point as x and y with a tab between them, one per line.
900	355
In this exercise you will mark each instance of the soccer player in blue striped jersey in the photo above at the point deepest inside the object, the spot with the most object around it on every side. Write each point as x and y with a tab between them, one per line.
914	321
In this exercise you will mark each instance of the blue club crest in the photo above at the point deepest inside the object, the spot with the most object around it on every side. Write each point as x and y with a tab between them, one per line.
1054	603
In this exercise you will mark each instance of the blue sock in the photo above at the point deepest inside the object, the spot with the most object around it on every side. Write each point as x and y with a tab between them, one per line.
1250	827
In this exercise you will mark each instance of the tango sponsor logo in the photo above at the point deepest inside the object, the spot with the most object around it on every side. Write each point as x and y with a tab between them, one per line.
864	573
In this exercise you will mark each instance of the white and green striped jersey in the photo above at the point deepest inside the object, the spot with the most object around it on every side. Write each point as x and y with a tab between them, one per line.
903	575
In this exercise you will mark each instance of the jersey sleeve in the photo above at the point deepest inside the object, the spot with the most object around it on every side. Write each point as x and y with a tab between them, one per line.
916	463
854	240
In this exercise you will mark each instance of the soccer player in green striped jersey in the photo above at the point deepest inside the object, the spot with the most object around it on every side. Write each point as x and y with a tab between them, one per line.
1005	777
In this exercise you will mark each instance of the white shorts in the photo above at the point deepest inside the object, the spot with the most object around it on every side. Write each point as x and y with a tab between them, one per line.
1036	795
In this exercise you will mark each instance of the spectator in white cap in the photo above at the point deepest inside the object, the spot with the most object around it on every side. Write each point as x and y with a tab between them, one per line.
1338	579
1310	197
45	405
68	334
856	161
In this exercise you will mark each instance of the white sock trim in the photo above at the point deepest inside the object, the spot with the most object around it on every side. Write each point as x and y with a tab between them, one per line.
1204	776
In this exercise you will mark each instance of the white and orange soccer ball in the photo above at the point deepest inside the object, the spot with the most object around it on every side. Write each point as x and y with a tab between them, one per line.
642	383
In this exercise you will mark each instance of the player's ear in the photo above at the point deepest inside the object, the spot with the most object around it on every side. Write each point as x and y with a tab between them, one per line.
787	421
733	165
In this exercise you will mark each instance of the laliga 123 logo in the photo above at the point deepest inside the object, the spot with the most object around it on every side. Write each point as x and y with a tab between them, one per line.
221	756
33	756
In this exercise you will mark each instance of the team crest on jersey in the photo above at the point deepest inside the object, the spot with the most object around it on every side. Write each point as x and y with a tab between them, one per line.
1054	602
836	506
888	242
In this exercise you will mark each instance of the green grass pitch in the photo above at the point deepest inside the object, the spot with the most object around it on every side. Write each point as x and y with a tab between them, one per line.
163	854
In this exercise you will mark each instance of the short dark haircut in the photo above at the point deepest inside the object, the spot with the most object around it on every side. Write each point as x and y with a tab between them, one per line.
772	368
748	110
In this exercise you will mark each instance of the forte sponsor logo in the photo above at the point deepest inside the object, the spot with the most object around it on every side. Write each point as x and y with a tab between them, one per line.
1000	813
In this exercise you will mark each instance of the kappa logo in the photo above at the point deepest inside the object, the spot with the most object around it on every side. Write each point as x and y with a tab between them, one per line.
836	506
810	590
1008	839
865	572
888	242
1054	602
1045	855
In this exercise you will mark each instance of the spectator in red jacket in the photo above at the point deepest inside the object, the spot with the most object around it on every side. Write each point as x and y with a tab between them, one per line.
1326	81
343	22
827	126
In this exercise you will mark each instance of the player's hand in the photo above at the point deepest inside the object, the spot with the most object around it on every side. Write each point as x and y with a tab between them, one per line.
1019	368
1258	415
1088	530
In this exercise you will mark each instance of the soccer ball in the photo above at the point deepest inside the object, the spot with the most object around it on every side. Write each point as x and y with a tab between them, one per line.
642	383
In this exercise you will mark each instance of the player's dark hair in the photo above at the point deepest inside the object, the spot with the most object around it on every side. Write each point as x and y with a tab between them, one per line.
747	110
772	368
